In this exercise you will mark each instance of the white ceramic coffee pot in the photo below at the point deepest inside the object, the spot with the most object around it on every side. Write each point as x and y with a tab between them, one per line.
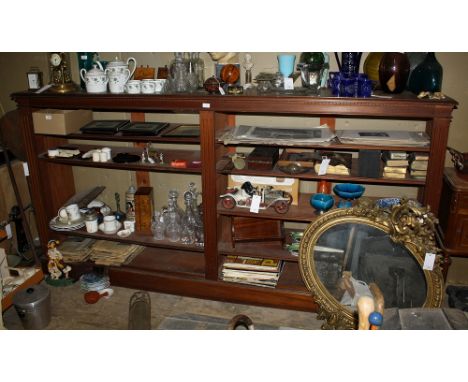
95	79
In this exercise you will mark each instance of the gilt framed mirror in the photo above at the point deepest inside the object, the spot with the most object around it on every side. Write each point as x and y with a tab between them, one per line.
346	249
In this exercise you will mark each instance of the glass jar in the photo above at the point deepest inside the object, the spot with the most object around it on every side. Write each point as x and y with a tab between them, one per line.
91	221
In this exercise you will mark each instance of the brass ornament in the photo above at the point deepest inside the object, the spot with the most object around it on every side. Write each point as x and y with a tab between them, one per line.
407	223
60	74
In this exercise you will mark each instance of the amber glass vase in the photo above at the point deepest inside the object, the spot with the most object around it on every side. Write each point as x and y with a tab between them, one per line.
393	72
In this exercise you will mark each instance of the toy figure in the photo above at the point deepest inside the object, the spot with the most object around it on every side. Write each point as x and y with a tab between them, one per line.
55	265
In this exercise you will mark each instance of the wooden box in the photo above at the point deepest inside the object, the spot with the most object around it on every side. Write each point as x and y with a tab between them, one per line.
263	158
143	209
453	212
255	229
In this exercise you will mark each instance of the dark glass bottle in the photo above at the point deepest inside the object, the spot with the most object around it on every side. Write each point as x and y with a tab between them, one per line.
393	72
427	76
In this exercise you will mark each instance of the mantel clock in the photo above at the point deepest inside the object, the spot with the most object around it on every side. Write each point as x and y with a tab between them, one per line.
60	76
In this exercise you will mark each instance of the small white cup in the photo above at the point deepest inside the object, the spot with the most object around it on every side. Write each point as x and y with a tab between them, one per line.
133	87
130	225
159	85
97	156
103	156
147	86
110	224
70	213
107	150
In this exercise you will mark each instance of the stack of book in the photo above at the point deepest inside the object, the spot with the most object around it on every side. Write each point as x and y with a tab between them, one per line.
395	164
252	271
418	165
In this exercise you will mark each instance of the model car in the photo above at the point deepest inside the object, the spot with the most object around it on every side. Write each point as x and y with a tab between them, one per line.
242	197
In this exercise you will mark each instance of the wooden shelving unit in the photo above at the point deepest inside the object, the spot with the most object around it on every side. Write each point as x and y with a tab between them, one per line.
194	271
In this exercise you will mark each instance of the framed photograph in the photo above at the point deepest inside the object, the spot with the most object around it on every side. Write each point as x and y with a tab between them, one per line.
184	131
144	128
106	126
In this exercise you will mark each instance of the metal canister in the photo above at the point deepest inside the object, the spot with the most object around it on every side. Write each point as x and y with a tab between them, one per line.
33	307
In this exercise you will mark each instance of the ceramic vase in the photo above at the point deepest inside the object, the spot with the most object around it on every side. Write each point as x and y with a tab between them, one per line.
427	76
393	72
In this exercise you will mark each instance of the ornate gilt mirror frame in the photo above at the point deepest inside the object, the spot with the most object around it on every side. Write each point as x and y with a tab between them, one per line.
406	223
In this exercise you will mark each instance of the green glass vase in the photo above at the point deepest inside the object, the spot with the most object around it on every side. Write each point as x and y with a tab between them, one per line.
427	76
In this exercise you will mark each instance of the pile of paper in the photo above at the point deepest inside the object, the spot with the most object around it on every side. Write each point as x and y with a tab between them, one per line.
114	253
383	138
76	249
285	136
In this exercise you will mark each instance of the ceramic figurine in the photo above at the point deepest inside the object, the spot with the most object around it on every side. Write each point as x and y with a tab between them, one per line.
55	264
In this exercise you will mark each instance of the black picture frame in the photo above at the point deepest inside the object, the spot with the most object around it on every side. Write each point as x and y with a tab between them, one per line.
104	126
144	128
183	131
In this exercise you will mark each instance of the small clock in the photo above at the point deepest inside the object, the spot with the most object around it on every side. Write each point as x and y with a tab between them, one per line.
55	59
60	76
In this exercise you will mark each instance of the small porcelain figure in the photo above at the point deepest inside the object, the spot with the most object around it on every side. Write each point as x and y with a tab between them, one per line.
55	265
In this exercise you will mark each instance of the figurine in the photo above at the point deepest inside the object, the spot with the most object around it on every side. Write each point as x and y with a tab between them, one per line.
55	265
248	65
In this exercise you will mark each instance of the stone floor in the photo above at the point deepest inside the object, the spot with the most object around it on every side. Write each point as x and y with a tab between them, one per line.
70	311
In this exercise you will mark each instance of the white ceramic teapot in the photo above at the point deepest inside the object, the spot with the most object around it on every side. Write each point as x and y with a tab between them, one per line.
95	79
119	66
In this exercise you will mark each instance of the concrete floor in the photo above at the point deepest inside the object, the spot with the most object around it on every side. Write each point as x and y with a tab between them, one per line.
70	311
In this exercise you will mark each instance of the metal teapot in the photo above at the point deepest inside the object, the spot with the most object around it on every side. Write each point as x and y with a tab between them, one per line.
95	79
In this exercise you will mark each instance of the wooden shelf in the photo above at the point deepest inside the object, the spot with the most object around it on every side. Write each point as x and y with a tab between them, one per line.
134	238
172	261
119	137
302	212
257	249
228	169
169	156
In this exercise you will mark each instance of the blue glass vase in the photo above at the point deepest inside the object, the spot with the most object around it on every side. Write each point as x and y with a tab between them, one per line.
427	76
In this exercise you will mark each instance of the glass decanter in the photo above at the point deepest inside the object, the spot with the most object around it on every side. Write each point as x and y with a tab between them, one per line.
180	73
188	223
157	226
173	228
172	203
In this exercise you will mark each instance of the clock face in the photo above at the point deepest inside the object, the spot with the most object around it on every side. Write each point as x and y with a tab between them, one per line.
55	59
